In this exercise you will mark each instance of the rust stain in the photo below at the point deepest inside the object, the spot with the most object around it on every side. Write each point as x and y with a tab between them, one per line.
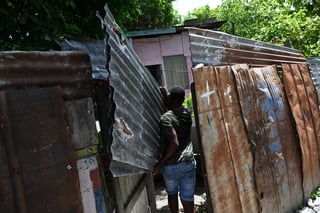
290	145
41	124
301	96
70	70
252	110
247	139
125	128
237	139
225	144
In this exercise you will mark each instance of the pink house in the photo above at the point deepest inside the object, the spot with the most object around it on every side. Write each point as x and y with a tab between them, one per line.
167	57
166	52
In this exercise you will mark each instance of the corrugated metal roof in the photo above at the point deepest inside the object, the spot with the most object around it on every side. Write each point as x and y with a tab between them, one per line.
137	106
209	23
70	70
153	32
210	47
315	74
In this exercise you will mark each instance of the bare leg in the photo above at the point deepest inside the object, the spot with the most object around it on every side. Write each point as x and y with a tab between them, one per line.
173	203
188	206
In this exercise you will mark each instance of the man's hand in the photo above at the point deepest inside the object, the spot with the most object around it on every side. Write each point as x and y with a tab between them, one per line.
156	169
163	92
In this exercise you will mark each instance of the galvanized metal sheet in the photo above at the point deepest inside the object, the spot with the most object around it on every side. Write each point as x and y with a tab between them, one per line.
70	70
265	111
217	48
137	106
95	49
303	101
228	159
39	152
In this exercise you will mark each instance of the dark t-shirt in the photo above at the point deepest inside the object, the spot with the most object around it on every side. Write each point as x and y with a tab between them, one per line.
179	120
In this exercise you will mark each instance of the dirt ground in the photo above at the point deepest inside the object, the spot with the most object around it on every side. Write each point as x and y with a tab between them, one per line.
161	196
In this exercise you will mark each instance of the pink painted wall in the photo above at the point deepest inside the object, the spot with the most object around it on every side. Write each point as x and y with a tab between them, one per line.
151	50
148	50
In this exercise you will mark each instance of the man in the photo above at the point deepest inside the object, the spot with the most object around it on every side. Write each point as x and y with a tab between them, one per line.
177	162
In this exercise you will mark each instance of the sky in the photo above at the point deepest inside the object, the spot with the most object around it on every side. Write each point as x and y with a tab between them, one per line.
185	6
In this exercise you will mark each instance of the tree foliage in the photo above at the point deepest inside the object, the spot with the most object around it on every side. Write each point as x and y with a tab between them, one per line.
143	14
201	13
293	22
41	24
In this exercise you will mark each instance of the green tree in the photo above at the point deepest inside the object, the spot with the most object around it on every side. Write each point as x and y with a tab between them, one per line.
41	24
201	13
143	14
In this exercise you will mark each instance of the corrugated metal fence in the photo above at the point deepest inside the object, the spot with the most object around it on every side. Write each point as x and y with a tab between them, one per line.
48	137
248	120
129	108
136	108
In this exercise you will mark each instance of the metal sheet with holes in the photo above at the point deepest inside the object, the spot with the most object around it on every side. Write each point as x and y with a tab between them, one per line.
39	151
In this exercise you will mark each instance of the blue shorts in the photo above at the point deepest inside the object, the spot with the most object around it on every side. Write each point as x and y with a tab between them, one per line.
180	177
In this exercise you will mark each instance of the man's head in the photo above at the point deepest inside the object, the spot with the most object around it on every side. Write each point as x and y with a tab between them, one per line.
176	96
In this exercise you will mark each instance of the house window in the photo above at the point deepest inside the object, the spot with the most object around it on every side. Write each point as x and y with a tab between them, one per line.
176	71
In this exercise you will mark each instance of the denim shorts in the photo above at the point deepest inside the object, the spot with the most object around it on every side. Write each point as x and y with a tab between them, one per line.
180	178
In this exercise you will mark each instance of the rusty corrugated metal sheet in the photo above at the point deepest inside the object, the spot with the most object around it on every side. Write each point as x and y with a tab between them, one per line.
228	159
217	48
303	100
38	168
315	74
248	140
277	166
70	70
137	106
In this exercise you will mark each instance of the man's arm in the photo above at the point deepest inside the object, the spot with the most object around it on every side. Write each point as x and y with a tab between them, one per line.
173	144
165	97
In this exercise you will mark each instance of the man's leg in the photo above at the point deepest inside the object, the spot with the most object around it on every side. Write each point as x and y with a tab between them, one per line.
188	206
187	185
173	203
